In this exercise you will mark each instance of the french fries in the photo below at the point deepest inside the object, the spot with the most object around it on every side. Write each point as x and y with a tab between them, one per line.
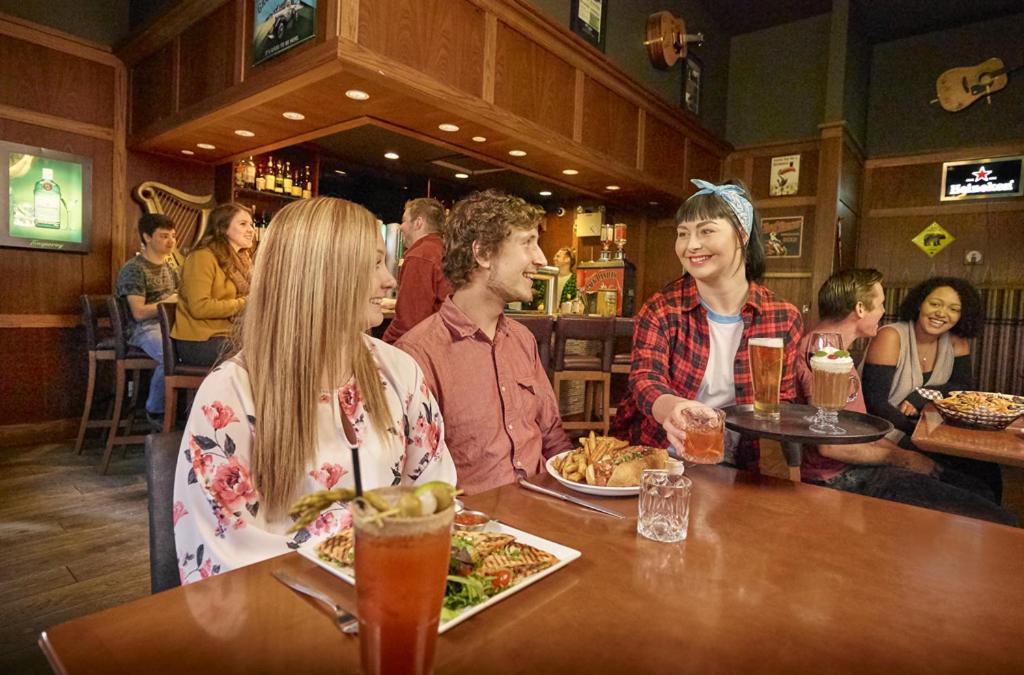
578	465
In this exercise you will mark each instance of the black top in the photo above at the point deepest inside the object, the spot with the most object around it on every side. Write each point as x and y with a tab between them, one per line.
876	381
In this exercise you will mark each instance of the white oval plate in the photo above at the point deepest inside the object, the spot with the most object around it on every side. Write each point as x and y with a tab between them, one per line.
589	489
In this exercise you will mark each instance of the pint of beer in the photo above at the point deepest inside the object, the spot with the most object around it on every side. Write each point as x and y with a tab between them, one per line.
766	356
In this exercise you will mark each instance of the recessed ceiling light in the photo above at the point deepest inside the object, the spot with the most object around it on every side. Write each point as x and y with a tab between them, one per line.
611	187
187	152
206	146
293	116
245	133
462	175
357	94
570	172
653	203
545	193
448	127
479	139
340	172
517	153
391	155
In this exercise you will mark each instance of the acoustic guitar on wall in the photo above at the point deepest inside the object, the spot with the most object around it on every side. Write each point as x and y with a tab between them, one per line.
958	88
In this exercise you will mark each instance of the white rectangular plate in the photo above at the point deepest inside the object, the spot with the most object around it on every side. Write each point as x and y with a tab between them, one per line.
564	554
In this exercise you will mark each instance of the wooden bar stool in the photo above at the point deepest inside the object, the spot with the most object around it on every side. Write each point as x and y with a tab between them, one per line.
177	375
542	327
100	347
592	370
127	359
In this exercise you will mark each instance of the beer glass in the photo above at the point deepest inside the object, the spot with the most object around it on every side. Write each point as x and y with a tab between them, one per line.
766	357
401	571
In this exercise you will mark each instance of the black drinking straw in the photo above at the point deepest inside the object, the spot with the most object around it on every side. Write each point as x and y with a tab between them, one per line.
356	471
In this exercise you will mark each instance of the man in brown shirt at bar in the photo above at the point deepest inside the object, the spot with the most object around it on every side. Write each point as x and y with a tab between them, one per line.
422	286
500	413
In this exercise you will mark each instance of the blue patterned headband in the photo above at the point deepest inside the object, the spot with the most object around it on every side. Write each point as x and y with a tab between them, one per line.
733	196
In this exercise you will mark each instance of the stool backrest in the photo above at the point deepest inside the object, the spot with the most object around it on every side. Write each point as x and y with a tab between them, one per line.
593	329
94	308
161	463
624	327
166	313
542	328
120	324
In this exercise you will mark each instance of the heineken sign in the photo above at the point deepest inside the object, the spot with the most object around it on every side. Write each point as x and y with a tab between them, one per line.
982	178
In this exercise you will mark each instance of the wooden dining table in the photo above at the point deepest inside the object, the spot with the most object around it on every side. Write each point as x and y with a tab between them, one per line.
934	434
775	577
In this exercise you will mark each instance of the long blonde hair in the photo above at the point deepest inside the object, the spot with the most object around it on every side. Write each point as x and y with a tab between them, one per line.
304	321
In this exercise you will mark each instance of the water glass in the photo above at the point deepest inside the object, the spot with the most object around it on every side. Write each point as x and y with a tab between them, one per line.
664	505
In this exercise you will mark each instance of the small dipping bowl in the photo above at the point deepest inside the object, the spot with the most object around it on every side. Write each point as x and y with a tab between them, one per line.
471	521
457	503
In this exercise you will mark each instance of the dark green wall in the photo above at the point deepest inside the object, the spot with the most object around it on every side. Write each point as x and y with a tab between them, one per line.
903	74
777	82
102	21
857	83
627	20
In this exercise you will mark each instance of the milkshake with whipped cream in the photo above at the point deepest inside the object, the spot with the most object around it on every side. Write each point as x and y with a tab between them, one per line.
832	387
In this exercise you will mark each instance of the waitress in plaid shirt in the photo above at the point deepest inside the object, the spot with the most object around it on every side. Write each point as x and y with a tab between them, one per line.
690	340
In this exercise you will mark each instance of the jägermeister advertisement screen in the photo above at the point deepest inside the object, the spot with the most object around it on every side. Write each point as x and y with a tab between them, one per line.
48	204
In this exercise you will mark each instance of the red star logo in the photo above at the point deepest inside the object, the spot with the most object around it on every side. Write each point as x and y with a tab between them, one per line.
982	174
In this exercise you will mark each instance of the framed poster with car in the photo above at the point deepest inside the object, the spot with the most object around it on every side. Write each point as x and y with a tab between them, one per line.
589	20
279	25
692	75
783	237
46	196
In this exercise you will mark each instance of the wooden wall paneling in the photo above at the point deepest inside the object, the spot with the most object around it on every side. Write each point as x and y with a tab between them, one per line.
700	163
441	38
533	83
609	123
56	83
43	373
796	289
490	55
849	223
557	233
903	186
851	179
348	20
152	96
660	262
664	145
207	57
823	243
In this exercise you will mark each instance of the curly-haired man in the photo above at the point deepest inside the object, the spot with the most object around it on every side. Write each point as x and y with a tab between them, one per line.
501	416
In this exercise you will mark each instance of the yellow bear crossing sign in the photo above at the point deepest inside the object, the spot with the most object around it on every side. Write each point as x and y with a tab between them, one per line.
933	239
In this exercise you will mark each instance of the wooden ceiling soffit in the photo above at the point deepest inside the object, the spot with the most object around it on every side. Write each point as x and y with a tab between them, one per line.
166	27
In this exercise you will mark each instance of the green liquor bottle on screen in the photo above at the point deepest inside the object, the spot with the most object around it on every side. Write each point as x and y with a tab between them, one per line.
46	198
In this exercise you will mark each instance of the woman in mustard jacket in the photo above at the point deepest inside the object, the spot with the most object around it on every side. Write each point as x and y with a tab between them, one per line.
214	285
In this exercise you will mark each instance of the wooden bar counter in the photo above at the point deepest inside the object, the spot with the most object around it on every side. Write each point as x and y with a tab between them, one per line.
775	577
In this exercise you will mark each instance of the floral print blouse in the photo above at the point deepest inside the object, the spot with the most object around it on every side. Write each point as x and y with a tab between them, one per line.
218	523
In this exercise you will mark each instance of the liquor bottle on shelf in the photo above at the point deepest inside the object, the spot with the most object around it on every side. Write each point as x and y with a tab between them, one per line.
286	179
296	183
307	190
261	181
268	177
239	171
249	174
278	178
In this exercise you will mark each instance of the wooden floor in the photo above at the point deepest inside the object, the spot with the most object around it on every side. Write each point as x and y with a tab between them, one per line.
72	542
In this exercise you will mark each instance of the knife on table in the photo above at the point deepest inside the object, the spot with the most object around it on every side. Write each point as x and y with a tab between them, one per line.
568	498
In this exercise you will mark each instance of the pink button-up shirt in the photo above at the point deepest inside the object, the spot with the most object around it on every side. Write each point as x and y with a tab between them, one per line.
500	414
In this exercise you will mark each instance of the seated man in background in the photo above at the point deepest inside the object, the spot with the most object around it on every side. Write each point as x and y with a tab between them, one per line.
851	303
501	416
147	279
422	287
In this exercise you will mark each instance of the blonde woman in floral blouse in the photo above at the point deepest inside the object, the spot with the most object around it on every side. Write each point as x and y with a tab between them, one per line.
280	418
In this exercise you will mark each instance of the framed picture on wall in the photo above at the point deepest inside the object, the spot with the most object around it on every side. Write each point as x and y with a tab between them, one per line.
692	74
279	25
783	237
589	20
46	199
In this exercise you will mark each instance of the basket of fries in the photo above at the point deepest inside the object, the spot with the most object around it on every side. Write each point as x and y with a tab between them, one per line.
980	410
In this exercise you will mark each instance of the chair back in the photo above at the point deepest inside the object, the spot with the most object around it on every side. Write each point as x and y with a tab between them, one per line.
593	329
120	324
161	463
189	212
94	308
166	312
542	327
624	327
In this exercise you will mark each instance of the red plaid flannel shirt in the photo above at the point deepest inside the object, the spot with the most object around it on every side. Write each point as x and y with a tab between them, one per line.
671	346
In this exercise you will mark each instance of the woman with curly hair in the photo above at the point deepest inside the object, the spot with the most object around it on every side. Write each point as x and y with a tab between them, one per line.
927	349
214	285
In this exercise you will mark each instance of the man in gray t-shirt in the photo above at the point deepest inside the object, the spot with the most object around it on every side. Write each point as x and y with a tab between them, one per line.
151	277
